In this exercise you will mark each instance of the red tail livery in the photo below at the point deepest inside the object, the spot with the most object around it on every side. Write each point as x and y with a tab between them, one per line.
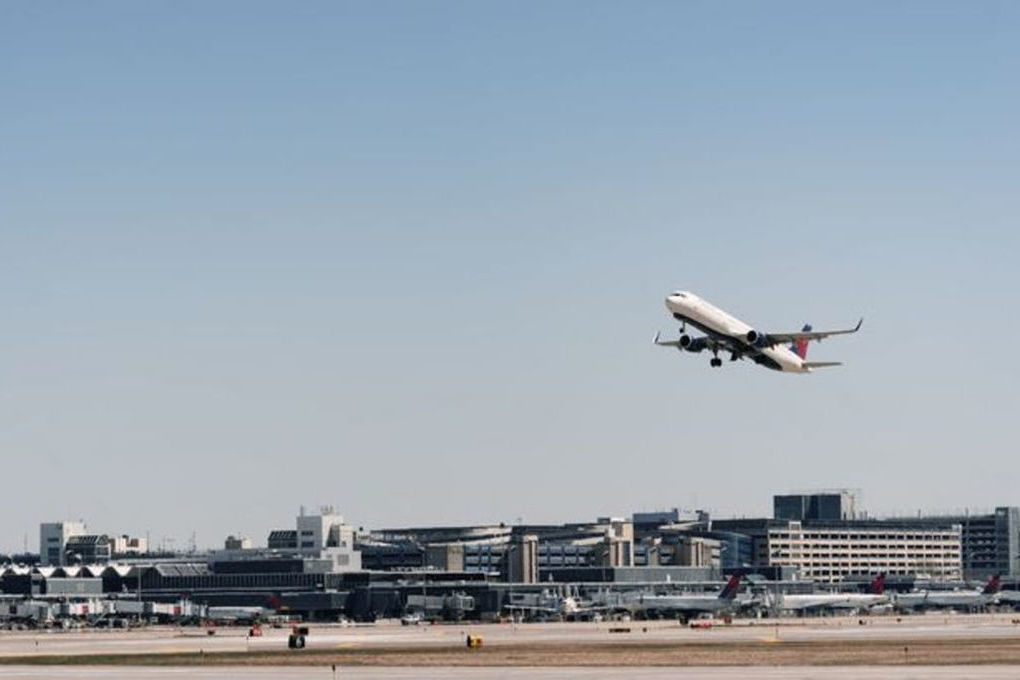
799	346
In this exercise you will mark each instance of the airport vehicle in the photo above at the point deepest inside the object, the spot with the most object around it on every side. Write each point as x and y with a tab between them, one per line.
951	599
819	601
298	637
725	333
688	605
412	619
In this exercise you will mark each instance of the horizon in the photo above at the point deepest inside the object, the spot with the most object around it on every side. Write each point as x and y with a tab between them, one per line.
410	258
259	539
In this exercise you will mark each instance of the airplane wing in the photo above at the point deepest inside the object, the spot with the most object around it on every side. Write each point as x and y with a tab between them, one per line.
782	338
666	343
532	608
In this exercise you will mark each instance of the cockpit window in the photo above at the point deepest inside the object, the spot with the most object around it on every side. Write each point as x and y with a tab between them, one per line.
680	293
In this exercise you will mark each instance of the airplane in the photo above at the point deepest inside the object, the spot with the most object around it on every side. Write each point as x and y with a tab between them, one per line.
560	605
979	597
1009	598
725	333
228	614
687	605
798	602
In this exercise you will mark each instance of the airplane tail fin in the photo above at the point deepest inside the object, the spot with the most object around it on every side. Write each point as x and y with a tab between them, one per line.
878	585
730	591
800	346
993	585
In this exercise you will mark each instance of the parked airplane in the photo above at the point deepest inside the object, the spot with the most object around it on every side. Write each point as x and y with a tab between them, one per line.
798	602
547	604
228	614
687	604
966	599
725	333
1009	597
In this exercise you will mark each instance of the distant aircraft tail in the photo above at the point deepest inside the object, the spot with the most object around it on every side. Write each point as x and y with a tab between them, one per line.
878	585
730	591
800	346
993	585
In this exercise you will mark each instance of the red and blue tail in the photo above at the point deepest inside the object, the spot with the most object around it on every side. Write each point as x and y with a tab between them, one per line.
800	346
730	591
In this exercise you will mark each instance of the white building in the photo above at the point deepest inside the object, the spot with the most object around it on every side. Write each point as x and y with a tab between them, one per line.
836	551
53	536
324	530
326	536
129	545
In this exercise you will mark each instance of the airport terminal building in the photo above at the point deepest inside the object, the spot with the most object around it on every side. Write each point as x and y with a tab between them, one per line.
991	541
821	535
830	552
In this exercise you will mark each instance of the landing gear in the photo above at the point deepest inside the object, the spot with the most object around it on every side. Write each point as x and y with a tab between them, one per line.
716	362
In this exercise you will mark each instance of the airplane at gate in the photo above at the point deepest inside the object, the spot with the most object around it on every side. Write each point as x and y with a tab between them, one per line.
688	604
875	597
725	333
924	599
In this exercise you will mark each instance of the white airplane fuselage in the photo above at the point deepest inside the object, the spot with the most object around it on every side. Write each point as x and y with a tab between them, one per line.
832	601
688	308
688	603
945	599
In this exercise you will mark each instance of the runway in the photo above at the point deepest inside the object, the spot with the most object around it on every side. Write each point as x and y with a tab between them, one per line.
323	638
954	646
454	673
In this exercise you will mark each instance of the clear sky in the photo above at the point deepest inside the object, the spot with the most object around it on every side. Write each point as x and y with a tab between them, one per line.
408	258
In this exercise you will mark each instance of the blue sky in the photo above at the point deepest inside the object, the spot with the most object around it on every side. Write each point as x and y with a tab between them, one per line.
407	258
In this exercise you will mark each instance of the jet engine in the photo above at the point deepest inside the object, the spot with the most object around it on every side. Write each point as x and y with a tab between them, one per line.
756	339
692	344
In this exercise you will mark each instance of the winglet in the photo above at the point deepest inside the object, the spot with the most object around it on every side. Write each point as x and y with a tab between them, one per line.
656	340
858	326
665	343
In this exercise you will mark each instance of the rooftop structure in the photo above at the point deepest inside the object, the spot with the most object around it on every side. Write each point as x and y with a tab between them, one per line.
824	505
53	536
